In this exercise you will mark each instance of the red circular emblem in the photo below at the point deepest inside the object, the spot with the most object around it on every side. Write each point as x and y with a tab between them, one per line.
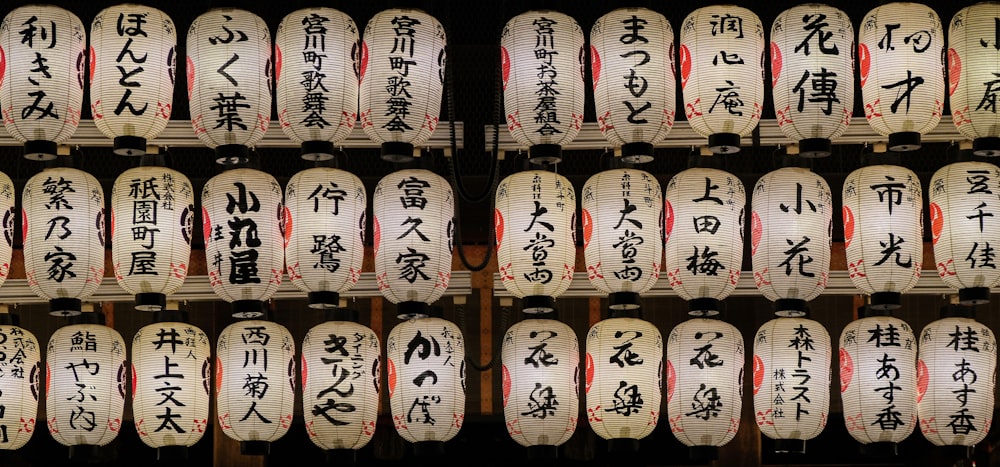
498	226
668	220
505	383
595	65
685	65
775	64
954	70
923	378
758	373
864	61
846	369
756	230
937	222
590	373
588	228
848	226
671	381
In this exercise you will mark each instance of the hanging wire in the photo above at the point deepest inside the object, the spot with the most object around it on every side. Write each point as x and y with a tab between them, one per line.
498	337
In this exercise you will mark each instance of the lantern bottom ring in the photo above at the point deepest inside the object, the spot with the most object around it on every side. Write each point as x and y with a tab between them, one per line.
170	316
880	449
986	147
703	307
790	308
150	301
231	154
790	446
637	153
341	314
248	309
724	143
621	446
542	452
542	154
428	448
412	310
9	319
65	306
40	150
885	300
397	152
341	457
129	146
323	300
171	453
974	295
904	141
316	150
534	304
255	448
703	453
86	453
623	301
815	147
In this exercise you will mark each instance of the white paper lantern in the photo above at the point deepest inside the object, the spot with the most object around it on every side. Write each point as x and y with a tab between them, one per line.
541	365
133	62
791	232
632	68
317	52
19	383
402	78
340	384
7	221
229	81
426	377
85	384
812	75
244	245
535	222
704	383
878	380
624	381
956	379
414	225
42	71
900	56
703	227
152	212
63	228
722	74
791	381
622	239
883	231
972	61
962	229
171	381
255	383
542	62
324	233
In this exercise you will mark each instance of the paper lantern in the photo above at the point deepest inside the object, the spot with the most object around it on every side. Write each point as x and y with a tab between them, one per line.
402	78
882	208
63	228
900	54
541	362
956	379
133	62
632	71
255	383
535	222
622	239
317	51
414	225
542	61
791	381
340	384
791	231
972	61
8	213
962	228
171	379
704	384
812	75
229	81
703	256
152	212
19	383
426	377
722	74
85	383
624	381
42	73
241	219
878	381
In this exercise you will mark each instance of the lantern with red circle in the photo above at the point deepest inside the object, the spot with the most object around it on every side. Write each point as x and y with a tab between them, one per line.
972	62
19	383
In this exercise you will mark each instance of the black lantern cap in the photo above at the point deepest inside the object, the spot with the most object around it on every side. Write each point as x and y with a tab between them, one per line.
170	316
813	148
255	448
397	152
542	452
172	454
724	143
543	154
534	304
428	448
150	301
974	296
880	449
316	150
986	147
623	447
623	301
957	311
8	319
95	317
885	300
341	456
411	310
341	314
40	150
130	145
323	300
704	307
637	153
904	141
790	308
232	154
85	453
790	446
249	309
703	453
65	306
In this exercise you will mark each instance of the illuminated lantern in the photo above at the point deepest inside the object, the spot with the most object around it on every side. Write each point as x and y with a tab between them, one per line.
85	383
956	378
722	74
962	229
133	59
63	228
318	99
812	75
541	361
7	211
255	383
19	383
171	382
414	225
704	384
402	78
324	233
972	62
900	53
624	382
241	221
703	258
152	212
229	81
535	223
632	67
622	240
878	381
542	61
883	229
340	383
791	381
426	378
42	73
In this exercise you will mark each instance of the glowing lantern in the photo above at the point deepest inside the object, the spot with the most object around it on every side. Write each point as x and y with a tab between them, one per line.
19	383
972	61
7	211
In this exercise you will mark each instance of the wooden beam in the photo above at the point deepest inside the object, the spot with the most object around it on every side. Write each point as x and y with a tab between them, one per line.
593	311
486	350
